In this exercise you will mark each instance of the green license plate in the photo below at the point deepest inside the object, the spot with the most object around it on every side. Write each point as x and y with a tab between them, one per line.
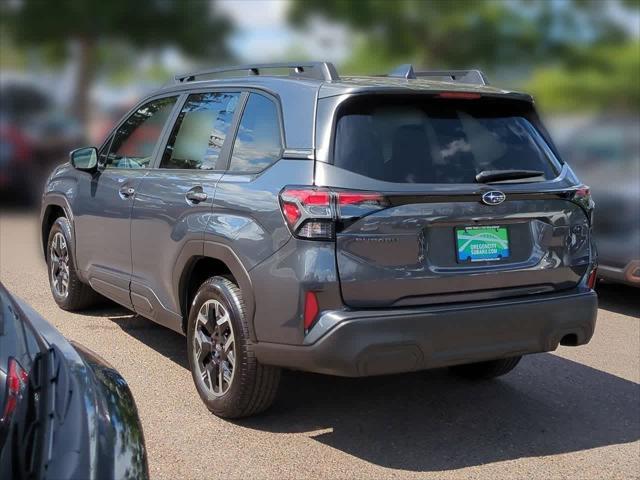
482	244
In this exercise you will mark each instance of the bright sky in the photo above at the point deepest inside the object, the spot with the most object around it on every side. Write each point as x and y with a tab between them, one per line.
263	34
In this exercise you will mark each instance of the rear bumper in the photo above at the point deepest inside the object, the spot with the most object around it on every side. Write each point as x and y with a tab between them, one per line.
376	342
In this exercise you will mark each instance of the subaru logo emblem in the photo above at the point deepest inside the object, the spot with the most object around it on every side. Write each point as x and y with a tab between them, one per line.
493	197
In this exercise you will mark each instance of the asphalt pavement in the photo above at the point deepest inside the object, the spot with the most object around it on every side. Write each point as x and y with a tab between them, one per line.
574	413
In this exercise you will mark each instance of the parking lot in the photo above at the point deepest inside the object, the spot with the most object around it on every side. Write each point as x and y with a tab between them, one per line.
574	413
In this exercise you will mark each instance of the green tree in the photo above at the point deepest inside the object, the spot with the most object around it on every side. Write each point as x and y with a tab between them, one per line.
463	33
610	81
192	26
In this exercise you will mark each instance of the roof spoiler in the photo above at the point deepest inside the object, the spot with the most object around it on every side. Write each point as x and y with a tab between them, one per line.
462	76
319	70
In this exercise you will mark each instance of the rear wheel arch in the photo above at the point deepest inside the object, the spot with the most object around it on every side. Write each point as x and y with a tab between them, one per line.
219	260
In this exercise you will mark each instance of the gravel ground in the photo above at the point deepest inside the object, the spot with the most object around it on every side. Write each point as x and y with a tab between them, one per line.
574	413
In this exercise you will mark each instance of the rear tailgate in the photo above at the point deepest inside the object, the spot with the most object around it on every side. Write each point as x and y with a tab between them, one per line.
409	254
434	238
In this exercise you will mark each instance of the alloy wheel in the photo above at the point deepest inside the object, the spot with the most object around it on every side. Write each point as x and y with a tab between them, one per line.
59	269
214	347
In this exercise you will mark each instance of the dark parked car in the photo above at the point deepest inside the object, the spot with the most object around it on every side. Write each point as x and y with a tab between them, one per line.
35	136
606	155
348	226
66	414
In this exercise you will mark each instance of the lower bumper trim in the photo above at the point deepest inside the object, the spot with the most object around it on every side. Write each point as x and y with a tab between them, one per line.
379	342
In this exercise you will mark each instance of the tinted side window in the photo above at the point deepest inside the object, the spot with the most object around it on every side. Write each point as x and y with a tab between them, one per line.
200	130
135	140
258	143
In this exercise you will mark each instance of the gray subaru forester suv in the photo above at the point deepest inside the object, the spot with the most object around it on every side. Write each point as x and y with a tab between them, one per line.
282	216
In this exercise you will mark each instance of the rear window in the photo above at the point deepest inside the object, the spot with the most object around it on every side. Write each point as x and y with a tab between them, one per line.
431	140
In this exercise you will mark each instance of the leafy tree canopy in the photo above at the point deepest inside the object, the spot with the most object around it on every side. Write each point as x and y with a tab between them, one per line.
191	26
610	82
455	33
566	43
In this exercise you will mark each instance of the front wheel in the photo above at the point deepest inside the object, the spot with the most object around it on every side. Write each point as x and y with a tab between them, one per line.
486	370
229	379
68	290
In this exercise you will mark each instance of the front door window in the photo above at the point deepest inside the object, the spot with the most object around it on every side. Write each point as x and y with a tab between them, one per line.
134	142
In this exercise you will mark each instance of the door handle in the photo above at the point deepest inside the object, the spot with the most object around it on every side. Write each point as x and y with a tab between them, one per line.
196	195
125	192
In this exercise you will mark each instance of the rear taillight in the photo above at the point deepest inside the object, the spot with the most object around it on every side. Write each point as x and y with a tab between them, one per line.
582	195
582	191
16	381
316	213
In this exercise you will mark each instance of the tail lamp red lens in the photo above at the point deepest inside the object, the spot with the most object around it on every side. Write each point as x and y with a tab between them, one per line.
310	196
16	381
291	213
583	191
582	195
312	213
351	198
311	310
593	276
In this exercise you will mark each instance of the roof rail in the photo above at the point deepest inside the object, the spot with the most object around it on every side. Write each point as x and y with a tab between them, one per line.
463	76
319	70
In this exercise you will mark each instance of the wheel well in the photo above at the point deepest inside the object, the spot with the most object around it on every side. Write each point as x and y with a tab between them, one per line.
570	340
51	214
194	275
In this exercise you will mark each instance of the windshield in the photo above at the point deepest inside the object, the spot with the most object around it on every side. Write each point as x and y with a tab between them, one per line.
431	140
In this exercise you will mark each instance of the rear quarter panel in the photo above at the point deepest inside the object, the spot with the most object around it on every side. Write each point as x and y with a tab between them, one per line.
247	227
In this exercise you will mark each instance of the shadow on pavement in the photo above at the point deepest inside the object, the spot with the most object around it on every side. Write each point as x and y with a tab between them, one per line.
166	342
432	421
619	298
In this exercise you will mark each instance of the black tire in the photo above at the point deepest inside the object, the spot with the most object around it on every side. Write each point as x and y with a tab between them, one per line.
253	387
486	370
79	295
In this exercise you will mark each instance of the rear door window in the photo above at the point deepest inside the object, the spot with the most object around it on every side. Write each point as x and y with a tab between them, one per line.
200	131
430	140
258	142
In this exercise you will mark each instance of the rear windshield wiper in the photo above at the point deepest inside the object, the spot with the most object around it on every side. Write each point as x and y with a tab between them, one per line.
488	176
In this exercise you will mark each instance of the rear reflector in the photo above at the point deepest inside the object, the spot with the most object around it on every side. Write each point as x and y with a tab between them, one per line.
593	276
310	310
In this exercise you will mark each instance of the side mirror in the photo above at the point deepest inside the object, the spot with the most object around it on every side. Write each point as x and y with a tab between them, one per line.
84	158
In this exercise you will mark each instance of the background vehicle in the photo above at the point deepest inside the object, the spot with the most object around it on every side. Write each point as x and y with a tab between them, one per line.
65	412
35	135
350	226
606	155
